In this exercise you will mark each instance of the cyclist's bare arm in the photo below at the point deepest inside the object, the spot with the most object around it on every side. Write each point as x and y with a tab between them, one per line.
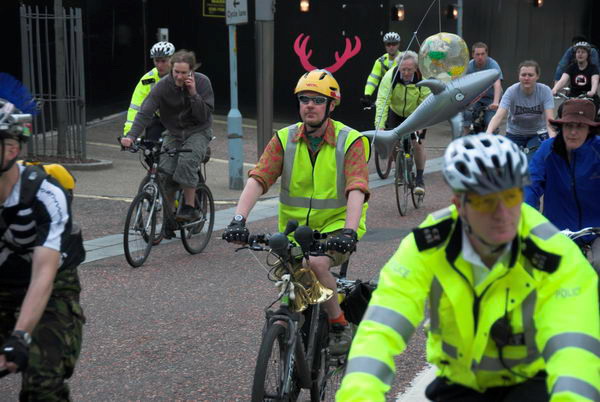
356	199
594	89
561	83
252	190
44	266
496	120
497	94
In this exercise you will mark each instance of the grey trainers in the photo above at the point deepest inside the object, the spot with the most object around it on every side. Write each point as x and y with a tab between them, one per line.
340	338
187	214
420	188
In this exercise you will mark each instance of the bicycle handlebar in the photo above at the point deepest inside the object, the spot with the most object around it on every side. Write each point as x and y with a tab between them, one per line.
279	243
580	233
139	144
560	95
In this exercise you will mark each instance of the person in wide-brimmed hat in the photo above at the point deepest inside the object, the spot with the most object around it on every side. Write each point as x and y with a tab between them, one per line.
566	170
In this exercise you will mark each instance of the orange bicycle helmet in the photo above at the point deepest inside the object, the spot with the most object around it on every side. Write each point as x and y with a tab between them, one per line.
320	81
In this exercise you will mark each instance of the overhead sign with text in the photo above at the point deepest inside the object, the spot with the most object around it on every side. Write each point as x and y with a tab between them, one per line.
236	12
213	8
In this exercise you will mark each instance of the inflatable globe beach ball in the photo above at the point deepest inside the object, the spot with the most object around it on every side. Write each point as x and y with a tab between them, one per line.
443	56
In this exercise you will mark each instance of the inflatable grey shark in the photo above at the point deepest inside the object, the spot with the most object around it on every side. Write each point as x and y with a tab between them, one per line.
445	102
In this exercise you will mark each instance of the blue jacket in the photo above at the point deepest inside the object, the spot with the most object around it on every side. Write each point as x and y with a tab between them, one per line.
572	190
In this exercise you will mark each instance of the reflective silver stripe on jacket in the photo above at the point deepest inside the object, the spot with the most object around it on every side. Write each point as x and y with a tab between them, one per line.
134	107
288	166
576	386
371	84
571	340
441	213
450	350
392	319
435	294
374	367
527	310
377	77
544	230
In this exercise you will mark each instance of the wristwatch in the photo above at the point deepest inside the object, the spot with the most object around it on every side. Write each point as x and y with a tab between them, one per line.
239	219
23	335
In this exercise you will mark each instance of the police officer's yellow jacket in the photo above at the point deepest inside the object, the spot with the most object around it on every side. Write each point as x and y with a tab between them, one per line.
380	67
403	100
313	193
142	89
546	289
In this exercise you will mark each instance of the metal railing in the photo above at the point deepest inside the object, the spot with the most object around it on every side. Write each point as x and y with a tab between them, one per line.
53	70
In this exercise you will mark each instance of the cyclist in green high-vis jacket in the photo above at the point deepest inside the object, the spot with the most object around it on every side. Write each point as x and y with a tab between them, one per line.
161	54
513	304
324	185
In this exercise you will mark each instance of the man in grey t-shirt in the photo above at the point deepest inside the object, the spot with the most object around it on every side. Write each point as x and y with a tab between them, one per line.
491	98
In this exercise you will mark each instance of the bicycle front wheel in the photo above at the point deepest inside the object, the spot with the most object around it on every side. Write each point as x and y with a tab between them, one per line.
159	209
401	183
272	368
196	235
417	199
383	165
140	225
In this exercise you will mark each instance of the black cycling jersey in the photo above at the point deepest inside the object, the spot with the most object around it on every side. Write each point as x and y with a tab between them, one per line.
45	221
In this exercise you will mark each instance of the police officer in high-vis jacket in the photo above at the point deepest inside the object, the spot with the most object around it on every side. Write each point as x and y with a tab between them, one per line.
391	41
161	54
513	304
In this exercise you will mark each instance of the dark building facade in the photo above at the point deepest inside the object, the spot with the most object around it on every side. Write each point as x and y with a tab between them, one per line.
119	33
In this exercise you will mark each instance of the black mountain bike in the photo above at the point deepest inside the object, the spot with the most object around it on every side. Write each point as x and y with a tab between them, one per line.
294	351
148	216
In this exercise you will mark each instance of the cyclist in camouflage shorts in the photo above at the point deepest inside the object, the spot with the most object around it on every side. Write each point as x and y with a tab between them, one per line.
40	317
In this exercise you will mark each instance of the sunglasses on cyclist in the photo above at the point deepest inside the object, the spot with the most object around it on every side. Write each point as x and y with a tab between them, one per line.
317	100
488	203
392	43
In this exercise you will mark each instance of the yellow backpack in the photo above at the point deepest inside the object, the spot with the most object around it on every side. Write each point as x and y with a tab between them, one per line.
58	172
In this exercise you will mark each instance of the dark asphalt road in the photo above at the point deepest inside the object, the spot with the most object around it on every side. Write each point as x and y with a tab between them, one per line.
187	327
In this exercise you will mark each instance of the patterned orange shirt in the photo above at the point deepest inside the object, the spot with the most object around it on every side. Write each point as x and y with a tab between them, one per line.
356	171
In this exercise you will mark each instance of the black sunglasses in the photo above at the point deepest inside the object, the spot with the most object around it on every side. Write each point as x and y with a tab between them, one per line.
317	100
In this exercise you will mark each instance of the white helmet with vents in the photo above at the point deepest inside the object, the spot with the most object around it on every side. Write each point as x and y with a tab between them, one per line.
162	49
484	164
391	37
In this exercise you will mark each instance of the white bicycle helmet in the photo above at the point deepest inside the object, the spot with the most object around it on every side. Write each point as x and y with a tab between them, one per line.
391	37
583	45
484	164
162	49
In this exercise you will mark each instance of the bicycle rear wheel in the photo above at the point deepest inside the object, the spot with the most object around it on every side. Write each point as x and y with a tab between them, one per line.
383	165
196	235
272	366
139	227
401	183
